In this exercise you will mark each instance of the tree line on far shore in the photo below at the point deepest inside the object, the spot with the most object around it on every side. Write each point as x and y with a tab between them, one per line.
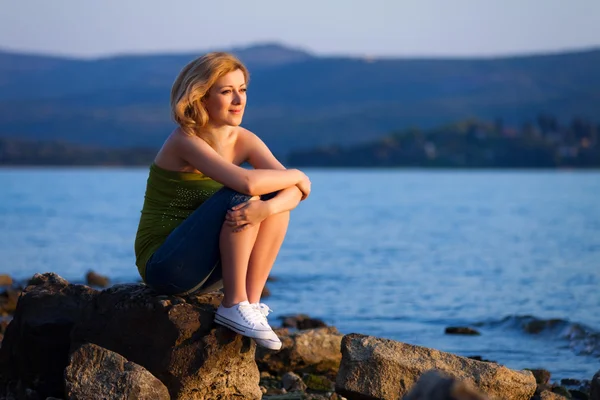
544	143
46	153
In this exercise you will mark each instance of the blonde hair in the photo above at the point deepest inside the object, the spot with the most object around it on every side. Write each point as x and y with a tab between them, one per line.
192	86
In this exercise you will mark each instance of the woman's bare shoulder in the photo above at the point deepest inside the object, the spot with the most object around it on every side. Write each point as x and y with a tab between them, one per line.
246	136
169	156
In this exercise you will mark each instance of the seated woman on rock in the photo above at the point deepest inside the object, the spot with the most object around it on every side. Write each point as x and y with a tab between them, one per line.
206	222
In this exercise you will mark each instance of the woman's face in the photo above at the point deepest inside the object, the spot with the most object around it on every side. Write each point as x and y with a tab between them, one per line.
226	99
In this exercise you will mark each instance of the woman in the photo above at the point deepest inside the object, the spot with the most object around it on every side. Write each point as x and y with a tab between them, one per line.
206	222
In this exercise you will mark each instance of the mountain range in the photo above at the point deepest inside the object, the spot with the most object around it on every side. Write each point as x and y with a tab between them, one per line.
296	100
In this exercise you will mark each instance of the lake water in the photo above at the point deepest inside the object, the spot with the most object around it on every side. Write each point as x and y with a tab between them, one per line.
399	254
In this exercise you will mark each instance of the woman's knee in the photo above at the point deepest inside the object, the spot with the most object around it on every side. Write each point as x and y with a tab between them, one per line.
281	219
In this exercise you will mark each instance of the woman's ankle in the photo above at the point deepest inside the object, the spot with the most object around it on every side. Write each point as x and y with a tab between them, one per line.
228	303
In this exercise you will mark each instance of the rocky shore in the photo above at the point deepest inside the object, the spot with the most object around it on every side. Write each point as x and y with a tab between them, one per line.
73	341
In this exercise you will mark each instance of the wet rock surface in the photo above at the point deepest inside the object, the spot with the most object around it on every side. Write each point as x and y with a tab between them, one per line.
301	322
461	330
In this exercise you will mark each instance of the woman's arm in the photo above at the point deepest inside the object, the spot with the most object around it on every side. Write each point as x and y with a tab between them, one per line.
203	157
253	212
260	157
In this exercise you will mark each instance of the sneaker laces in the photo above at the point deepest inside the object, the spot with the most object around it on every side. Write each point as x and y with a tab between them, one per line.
264	309
250	314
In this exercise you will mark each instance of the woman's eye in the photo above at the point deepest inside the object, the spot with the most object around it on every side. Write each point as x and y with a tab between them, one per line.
244	90
226	92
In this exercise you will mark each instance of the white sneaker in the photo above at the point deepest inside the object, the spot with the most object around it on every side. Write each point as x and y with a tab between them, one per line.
264	309
244	319
272	343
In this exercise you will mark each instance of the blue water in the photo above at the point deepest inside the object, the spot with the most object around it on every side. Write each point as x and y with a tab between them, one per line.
399	254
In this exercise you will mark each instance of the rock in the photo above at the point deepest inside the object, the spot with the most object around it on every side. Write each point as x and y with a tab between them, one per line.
461	330
434	385
317	396
595	387
173	337
266	375
542	376
3	325
97	280
302	321
8	301
384	369
311	351
585	386
5	280
548	395
94	372
272	392
318	383
570	382
292	382
265	293
537	326
579	394
562	391
335	396
36	343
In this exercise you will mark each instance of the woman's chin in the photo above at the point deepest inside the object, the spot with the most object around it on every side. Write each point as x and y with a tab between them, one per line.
236	121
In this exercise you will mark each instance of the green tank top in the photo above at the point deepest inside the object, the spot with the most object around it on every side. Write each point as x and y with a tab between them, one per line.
170	198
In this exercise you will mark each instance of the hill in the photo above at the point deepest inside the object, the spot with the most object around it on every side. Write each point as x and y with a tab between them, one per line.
296	99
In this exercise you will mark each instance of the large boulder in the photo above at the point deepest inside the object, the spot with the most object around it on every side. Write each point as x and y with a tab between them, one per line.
374	368
96	373
174	338
36	343
309	351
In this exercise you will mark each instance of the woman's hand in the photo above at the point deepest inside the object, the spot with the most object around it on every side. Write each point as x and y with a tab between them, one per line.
304	186
247	214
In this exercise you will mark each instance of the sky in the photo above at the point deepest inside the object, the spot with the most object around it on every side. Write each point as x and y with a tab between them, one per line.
386	28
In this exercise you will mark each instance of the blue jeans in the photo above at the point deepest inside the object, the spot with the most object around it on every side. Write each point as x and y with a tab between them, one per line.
190	260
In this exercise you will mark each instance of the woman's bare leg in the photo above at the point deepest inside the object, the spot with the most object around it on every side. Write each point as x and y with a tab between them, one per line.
266	247
236	248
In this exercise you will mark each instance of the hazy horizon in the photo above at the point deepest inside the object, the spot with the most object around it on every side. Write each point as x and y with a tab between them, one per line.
290	46
380	28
